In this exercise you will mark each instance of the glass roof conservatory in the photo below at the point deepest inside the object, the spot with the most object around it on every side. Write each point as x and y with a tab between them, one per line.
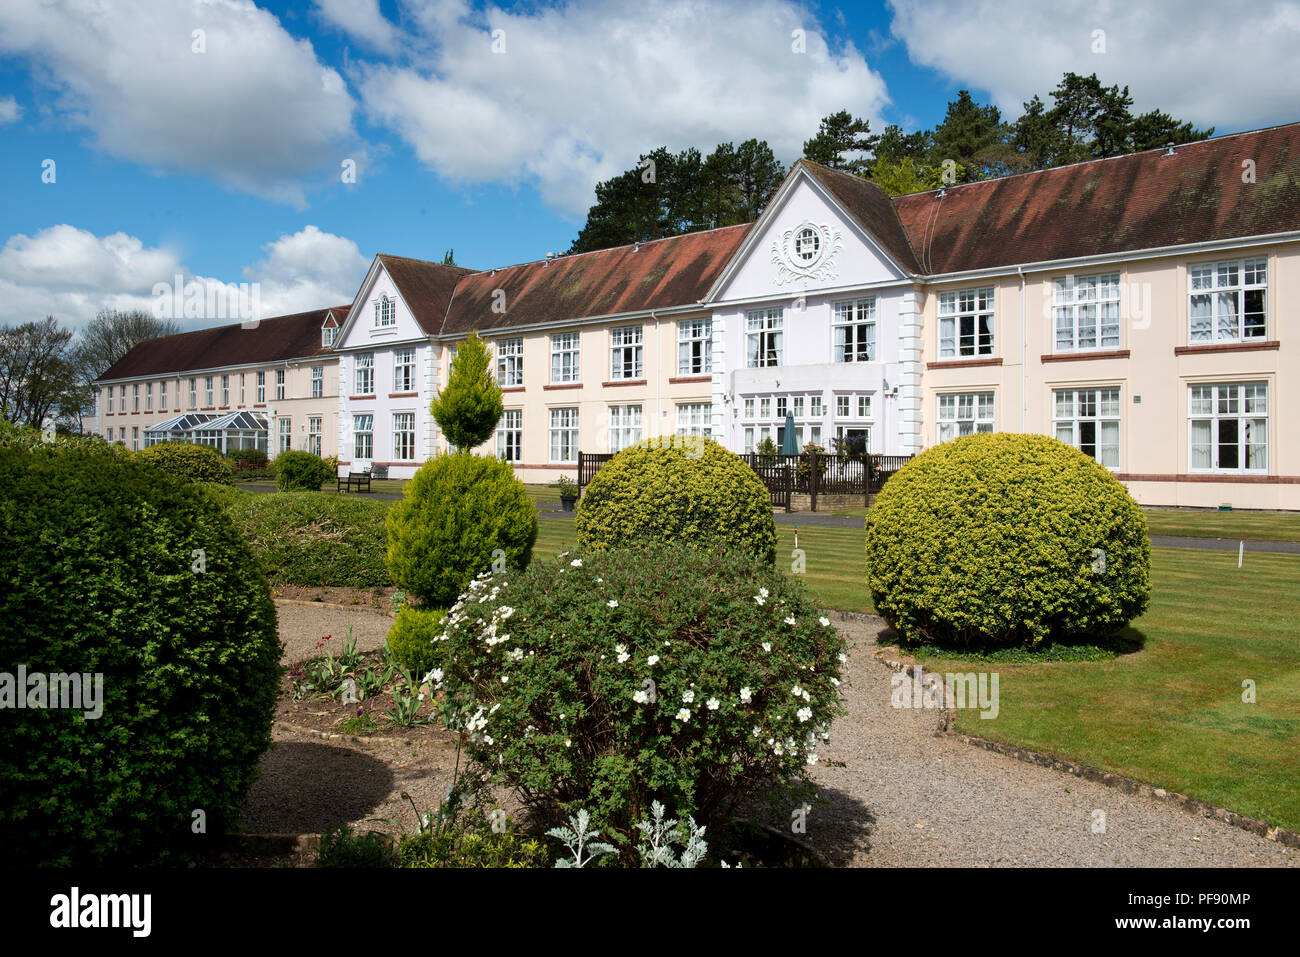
228	432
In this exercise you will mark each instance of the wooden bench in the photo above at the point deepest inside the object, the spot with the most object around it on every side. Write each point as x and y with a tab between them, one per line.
379	471
354	480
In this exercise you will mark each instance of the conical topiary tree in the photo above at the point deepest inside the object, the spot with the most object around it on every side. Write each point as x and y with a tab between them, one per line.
469	408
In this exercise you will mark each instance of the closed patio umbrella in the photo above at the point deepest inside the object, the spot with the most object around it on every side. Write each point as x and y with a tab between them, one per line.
789	444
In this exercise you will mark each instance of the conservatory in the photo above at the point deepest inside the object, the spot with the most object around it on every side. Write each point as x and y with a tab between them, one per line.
225	433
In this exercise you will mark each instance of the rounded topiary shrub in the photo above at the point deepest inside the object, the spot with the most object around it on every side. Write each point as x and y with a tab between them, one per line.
134	582
461	513
413	639
699	678
199	463
1006	539
677	489
301	471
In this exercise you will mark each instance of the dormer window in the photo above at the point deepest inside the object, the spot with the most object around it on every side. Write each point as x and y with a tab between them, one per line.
385	312
327	335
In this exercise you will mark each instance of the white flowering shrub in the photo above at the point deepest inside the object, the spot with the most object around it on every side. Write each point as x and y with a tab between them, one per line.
608	681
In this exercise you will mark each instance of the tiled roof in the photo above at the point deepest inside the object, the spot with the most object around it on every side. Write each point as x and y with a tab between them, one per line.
427	287
1127	203
871	207
659	274
271	340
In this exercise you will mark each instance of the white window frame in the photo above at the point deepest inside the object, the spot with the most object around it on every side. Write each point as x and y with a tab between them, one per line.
510	436
314	434
1218	283
694	346
764	338
285	434
625	426
853	324
279	385
1095	409
1086	313
363	428
510	362
162	395
625	357
135	438
696	419
208	392
261	388
327	335
563	435
317	382
148	396
225	391
955	342
135	397
1213	404
404	370
566	356
364	374
404	436
951	421
385	312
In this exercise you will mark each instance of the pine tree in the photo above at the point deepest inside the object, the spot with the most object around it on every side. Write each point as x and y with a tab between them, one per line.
469	408
841	133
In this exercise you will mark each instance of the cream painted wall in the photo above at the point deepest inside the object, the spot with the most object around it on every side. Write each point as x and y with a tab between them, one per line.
1153	378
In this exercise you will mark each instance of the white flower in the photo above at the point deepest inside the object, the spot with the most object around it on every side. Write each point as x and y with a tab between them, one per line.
767	646
778	749
824	621
806	695
760	599
812	759
790	620
505	679
435	674
488	739
600	581
843	657
652	660
623	656
745	696
568	743
764	592
576	563
612	603
712	704
835	682
683	716
804	714
796	691
756	730
640	697
688	697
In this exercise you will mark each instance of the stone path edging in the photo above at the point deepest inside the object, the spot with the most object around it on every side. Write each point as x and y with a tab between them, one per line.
1189	805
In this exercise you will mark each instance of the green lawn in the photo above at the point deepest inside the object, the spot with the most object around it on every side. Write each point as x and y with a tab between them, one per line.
1256	526
1171	714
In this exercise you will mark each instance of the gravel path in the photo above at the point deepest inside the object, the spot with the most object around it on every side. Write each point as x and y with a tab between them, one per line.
903	796
906	798
302	624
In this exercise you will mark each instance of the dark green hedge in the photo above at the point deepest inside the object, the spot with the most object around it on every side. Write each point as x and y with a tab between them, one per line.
314	538
114	567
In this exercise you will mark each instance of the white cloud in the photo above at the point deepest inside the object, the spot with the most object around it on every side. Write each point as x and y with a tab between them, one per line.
71	273
1194	59
359	19
306	270
9	110
257	111
582	90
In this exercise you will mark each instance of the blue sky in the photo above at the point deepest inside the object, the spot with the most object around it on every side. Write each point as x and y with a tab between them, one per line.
223	163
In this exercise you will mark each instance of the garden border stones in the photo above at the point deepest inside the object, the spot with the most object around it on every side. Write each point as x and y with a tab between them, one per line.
1188	805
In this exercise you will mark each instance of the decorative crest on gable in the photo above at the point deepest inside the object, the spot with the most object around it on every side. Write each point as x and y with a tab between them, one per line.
808	251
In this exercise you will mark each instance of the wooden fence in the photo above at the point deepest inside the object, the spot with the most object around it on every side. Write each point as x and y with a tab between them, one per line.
813	474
